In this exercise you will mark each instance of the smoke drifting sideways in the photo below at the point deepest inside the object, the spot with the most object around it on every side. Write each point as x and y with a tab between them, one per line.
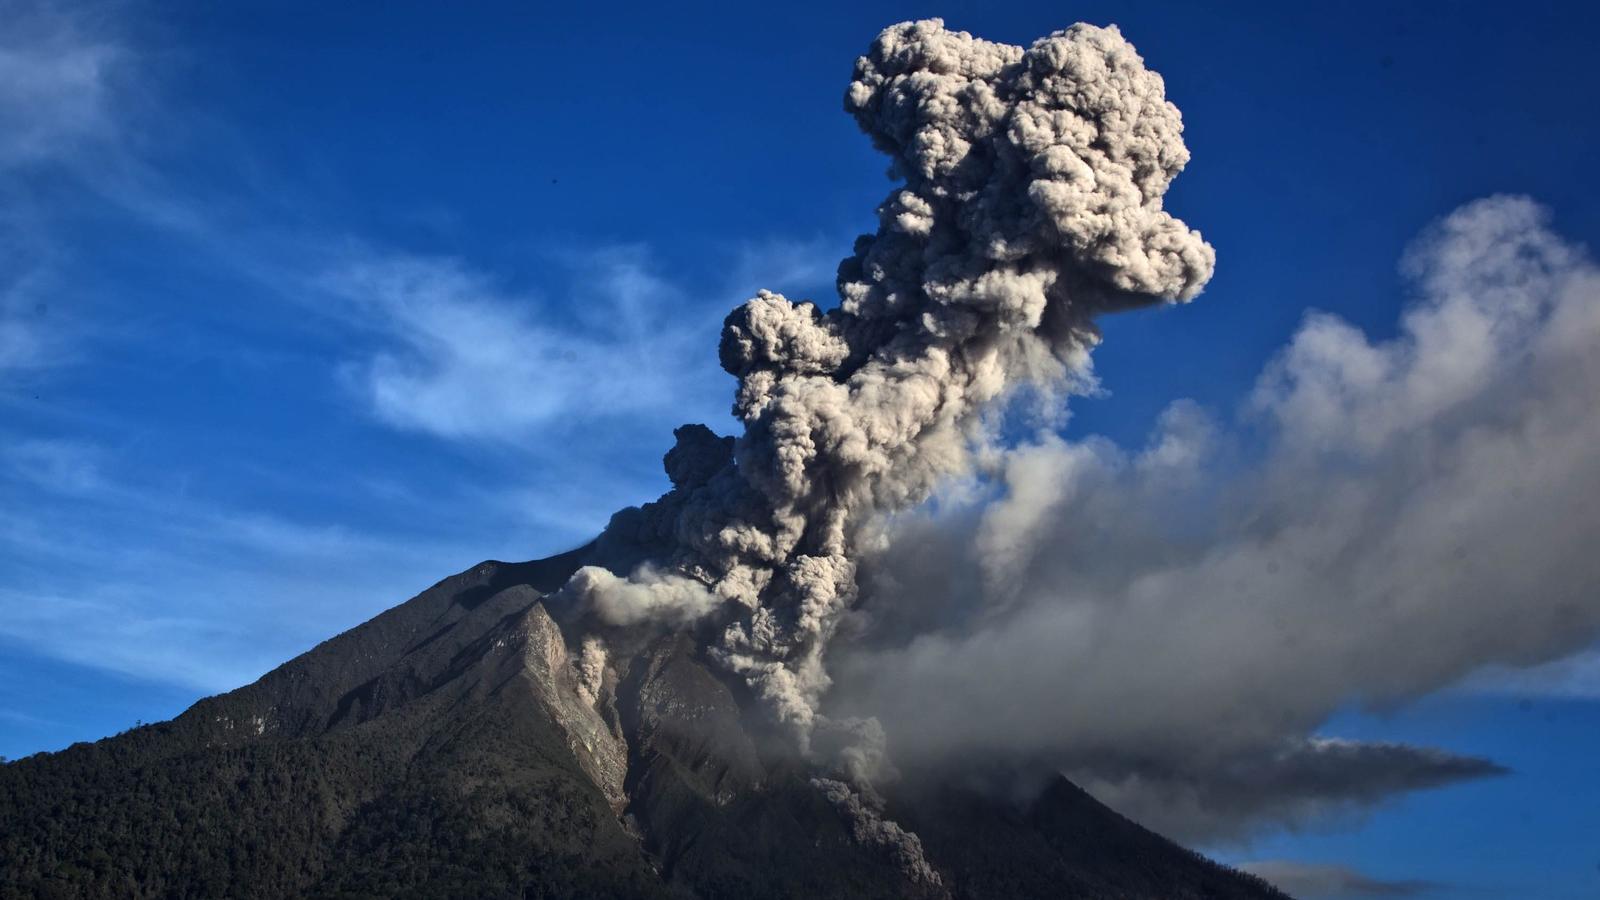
1172	626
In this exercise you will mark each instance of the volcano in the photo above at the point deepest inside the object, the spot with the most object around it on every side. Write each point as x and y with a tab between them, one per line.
644	716
449	748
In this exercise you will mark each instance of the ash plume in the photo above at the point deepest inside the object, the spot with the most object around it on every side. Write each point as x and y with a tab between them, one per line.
1030	202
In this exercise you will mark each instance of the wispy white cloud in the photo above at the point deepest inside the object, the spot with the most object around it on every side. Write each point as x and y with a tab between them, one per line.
27	342
35	334
57	84
461	357
107	568
107	630
61	86
58	466
133	577
565	392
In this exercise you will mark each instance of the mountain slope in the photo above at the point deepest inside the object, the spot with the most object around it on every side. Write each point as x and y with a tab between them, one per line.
448	748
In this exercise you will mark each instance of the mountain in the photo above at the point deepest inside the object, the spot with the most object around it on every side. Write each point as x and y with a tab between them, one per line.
450	747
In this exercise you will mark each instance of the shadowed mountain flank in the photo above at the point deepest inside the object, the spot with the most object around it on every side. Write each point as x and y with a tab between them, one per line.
454	746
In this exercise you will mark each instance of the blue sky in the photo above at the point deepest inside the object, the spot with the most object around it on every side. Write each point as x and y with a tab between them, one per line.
304	306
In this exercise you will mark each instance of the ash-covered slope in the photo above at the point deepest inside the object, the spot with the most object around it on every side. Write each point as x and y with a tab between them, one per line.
451	747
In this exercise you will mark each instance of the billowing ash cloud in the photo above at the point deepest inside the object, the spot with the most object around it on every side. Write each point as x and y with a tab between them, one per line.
1033	182
648	596
1169	626
1031	202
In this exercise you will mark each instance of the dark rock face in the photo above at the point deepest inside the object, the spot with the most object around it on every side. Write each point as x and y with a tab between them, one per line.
447	748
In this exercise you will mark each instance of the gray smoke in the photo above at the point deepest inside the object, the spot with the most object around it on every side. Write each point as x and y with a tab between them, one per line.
1208	797
1031	202
649	596
1326	882
870	828
1170	625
